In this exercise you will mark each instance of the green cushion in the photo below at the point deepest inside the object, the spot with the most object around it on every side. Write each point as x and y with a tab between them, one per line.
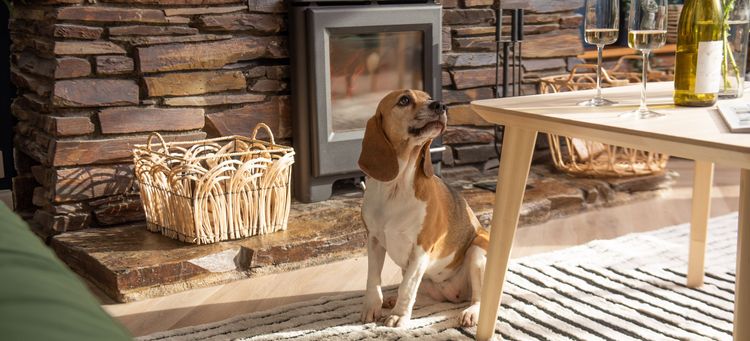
40	299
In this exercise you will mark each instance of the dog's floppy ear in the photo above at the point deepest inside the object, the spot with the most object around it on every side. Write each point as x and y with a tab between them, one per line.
426	160
378	158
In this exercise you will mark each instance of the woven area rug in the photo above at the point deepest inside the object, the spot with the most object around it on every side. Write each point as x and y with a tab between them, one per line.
629	288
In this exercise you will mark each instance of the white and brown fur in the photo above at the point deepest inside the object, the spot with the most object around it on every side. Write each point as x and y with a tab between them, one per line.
424	226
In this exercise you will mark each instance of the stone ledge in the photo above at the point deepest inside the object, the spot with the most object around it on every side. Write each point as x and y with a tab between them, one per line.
129	263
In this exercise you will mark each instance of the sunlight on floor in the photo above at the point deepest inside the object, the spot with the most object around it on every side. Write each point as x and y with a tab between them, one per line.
256	294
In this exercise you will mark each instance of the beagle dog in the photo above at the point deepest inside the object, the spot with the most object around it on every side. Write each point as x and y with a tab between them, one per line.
424	226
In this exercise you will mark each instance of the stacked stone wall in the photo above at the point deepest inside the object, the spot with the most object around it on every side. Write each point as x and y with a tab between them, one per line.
96	77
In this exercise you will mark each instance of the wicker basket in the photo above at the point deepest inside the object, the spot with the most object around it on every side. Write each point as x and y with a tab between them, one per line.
583	77
216	189
577	80
590	158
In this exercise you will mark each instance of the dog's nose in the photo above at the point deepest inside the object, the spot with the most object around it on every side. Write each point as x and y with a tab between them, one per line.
438	107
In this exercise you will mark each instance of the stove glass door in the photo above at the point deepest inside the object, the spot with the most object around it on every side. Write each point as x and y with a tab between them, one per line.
365	67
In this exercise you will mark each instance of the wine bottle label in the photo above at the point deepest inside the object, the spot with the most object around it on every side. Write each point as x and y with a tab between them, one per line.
708	70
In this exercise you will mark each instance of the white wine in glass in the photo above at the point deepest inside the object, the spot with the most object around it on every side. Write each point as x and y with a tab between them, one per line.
647	39
601	36
601	24
647	30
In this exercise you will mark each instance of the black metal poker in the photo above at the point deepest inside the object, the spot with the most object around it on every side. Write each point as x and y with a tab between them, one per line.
500	44
511	65
517	41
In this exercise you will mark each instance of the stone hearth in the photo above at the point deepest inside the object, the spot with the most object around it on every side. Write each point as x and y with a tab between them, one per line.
129	263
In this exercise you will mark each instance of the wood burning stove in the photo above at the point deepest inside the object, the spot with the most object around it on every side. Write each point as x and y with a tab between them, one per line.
346	55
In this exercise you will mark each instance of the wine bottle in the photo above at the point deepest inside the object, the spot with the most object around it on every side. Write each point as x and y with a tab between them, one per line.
697	74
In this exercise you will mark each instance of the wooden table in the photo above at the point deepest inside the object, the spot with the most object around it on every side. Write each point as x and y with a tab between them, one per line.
693	133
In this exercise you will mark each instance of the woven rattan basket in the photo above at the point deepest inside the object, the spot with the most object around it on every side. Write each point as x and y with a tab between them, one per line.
590	158
216	189
583	77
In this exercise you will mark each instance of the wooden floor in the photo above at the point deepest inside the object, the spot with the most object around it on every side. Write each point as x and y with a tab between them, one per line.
224	301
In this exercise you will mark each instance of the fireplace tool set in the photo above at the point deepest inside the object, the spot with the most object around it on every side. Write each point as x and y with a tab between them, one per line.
512	59
512	52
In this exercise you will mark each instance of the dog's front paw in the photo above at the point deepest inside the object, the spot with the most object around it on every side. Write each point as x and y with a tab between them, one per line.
371	308
397	320
470	316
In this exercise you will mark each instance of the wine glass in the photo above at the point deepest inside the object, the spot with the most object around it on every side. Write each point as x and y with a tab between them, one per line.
601	24
647	26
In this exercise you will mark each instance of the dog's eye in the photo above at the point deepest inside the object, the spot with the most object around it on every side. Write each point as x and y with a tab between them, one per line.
404	101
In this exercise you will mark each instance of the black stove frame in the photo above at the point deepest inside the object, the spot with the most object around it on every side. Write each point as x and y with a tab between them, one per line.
322	155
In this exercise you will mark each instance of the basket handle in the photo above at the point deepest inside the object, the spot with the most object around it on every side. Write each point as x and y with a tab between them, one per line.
268	130
161	139
605	75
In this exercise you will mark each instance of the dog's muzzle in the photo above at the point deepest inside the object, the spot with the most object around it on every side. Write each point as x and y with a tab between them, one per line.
432	117
438	107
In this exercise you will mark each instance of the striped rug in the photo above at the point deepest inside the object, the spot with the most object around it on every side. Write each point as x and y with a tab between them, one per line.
629	288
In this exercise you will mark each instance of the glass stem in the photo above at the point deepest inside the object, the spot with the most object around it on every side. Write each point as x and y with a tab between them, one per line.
599	72
644	80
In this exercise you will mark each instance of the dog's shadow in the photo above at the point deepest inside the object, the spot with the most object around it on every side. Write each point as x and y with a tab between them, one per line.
332	317
430	319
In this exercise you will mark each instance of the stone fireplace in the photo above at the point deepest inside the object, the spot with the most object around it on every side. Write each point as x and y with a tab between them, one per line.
95	77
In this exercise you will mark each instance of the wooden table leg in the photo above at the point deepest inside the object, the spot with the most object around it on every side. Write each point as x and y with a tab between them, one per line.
515	160
702	181
742	279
